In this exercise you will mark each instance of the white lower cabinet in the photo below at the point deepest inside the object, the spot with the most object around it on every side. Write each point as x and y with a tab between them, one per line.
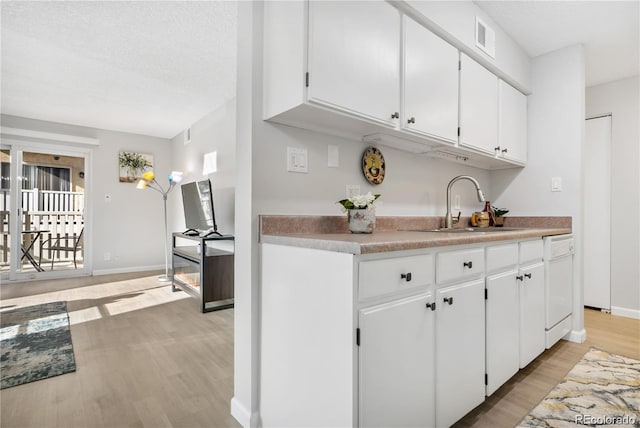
502	328
460	350
397	363
532	333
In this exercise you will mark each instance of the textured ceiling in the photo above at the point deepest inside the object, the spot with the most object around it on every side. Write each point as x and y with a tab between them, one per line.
149	67
607	29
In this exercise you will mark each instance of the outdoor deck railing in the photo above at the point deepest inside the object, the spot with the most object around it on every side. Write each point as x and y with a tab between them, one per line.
59	224
45	200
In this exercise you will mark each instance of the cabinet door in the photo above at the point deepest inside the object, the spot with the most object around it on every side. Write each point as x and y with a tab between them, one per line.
502	329
354	57
532	336
478	107
460	354
512	124
430	84
396	364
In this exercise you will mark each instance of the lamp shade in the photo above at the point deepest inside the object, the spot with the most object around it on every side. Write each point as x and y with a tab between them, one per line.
175	177
148	176
142	184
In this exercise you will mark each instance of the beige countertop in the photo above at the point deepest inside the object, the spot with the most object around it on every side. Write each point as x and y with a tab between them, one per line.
328	233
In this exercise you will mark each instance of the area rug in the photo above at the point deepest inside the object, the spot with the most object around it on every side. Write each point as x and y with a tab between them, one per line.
35	343
602	389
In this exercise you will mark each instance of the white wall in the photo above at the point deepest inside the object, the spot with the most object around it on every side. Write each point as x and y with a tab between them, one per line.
458	18
414	185
555	139
621	99
130	227
216	132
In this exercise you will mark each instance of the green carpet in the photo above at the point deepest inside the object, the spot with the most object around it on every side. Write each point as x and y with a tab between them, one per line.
35	343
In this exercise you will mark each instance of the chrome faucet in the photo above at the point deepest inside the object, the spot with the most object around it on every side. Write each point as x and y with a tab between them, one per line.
448	219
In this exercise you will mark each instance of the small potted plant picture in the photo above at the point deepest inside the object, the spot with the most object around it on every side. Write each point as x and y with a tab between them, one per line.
499	214
361	214
132	165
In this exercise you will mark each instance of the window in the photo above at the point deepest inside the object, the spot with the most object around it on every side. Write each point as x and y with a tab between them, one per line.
46	178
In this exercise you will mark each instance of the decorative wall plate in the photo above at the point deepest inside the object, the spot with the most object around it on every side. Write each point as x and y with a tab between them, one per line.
373	165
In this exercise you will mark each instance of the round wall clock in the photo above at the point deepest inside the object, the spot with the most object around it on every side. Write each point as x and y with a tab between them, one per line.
373	165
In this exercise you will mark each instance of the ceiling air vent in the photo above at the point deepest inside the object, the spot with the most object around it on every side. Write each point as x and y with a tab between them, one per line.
485	38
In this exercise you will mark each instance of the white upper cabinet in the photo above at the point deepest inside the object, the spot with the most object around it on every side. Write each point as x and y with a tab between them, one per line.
430	84
354	51
512	123
478	107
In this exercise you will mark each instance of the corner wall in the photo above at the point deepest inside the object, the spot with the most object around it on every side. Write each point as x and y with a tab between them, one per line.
622	99
555	137
216	132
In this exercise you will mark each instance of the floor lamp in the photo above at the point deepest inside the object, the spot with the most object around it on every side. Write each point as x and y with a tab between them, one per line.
149	180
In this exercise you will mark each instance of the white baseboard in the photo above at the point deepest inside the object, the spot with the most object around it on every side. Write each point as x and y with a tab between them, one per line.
625	312
240	413
127	269
577	336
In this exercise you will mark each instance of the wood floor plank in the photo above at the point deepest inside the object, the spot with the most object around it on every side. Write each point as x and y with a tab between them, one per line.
146	357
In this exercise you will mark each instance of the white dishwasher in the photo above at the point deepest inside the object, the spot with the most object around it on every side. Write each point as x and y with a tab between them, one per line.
558	286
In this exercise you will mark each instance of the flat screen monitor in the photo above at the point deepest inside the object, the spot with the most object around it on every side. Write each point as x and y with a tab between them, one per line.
199	215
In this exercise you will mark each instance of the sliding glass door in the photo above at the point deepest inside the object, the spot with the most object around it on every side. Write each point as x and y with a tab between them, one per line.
43	212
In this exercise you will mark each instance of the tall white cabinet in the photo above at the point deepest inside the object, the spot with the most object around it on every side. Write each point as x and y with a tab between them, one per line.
397	363
430	84
354	51
512	124
478	107
459	334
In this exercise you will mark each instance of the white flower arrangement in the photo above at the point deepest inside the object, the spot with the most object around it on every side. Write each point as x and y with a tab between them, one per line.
359	202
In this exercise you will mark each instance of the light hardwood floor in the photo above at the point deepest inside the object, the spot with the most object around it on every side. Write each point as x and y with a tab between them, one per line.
507	406
146	357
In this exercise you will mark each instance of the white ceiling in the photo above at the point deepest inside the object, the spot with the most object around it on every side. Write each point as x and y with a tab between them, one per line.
151	68
156	67
607	29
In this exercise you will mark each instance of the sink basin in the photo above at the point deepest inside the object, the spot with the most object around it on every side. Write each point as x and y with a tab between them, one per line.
468	230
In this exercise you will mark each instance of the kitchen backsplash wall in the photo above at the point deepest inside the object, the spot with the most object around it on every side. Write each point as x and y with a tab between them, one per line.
413	184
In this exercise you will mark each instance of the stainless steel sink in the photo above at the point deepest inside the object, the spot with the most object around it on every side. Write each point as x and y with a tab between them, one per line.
468	230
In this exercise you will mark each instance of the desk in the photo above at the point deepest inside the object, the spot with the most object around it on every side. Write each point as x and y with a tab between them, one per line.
204	272
26	251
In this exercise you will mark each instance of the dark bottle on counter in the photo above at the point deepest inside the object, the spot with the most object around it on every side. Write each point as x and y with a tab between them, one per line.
488	209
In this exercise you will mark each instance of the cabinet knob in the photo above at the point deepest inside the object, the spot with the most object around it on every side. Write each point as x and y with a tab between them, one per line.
520	278
431	306
406	276
448	300
411	120
468	264
528	275
497	148
504	150
395	115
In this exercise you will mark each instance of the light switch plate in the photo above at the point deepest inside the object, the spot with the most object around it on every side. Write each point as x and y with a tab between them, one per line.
352	190
297	160
556	184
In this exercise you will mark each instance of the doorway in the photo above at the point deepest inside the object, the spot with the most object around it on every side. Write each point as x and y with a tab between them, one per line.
44	191
597	213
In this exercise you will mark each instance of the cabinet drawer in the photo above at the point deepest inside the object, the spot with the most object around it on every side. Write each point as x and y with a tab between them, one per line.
560	246
456	265
378	277
501	256
531	251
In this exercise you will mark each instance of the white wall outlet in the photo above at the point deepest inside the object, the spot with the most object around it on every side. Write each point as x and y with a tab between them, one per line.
456	202
107	198
297	160
333	156
107	256
556	184
352	190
